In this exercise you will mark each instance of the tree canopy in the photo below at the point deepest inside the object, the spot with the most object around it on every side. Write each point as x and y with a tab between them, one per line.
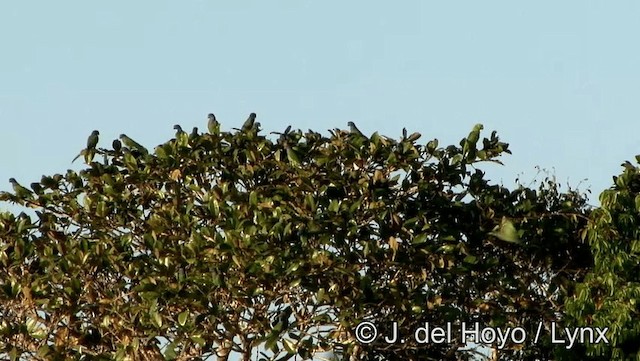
275	248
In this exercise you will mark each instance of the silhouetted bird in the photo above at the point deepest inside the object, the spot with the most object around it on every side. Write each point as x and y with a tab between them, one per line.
20	191
117	145
212	124
92	141
249	123
133	144
353	129
89	152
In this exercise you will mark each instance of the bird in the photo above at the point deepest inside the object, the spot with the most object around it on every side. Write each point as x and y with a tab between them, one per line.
20	191
117	145
182	138
249	123
194	134
37	188
51	182
353	129
286	131
92	141
90	151
178	129
292	155
133	144
212	124
283	136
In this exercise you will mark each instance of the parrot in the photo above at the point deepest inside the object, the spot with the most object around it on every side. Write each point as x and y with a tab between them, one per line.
89	152
249	123
212	124
353	129
133	144
21	191
117	145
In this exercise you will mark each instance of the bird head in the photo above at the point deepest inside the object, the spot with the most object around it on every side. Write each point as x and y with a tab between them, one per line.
123	136
211	116
252	115
95	132
13	180
177	127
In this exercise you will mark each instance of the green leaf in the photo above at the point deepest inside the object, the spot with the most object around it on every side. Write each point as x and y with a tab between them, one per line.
506	231
334	206
419	239
253	198
182	318
198	339
156	319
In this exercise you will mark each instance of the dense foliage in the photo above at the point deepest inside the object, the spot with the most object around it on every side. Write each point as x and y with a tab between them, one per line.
610	294
235	243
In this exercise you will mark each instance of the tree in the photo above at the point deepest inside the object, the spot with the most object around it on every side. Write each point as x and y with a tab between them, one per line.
230	242
609	295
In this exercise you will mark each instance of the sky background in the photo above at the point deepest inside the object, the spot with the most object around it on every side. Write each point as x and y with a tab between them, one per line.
559	81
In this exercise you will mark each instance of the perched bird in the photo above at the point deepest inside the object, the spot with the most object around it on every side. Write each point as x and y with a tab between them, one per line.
178	129
37	188
212	124
249	123
133	144
92	141
353	129
117	145
51	182
292	155
90	151
194	134
21	191
283	136
182	138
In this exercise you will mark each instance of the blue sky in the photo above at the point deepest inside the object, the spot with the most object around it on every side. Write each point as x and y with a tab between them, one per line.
560	81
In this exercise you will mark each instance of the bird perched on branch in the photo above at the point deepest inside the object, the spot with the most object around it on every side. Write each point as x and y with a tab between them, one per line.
133	144
249	123
353	129
117	145
212	124
20	191
194	134
178	129
92	141
90	151
37	187
283	135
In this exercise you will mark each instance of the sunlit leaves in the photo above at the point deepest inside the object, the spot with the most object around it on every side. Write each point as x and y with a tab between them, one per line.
206	240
